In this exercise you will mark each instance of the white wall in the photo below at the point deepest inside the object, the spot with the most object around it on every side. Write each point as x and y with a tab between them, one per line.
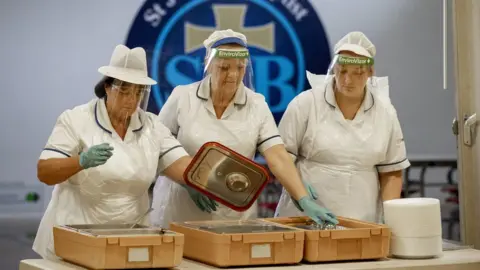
51	50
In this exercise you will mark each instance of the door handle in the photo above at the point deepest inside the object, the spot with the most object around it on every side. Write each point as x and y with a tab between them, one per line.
469	129
455	126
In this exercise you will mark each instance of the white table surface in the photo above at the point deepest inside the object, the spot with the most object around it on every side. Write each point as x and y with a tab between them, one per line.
465	259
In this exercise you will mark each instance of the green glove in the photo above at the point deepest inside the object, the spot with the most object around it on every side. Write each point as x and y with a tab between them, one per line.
203	202
311	192
316	212
95	156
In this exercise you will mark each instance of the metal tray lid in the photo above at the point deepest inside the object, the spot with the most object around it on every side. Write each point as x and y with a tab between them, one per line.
226	176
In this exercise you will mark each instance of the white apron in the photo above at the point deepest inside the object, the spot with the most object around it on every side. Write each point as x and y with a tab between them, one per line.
338	159
116	192
171	201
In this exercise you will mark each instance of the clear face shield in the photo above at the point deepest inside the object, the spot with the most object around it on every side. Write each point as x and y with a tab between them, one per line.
350	75
227	70
125	99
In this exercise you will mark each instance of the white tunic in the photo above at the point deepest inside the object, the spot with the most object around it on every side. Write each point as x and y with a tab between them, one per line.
116	192
340	158
247	125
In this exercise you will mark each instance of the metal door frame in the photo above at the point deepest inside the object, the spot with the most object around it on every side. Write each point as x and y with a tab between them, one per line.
466	33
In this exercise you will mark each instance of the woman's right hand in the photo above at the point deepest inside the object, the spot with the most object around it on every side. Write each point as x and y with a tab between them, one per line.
95	156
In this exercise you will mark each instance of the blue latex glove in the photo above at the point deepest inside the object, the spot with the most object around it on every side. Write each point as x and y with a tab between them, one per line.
317	213
311	192
203	202
95	156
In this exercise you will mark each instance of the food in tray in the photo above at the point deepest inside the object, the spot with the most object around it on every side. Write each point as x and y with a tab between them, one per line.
315	226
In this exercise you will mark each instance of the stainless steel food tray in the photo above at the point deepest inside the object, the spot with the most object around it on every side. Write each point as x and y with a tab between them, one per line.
247	226
117	246
104	226
245	229
117	230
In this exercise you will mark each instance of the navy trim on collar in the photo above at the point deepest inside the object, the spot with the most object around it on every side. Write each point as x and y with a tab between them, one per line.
98	122
141	124
198	90
325	97
371	105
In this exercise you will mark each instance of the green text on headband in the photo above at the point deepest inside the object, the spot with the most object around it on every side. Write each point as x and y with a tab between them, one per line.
349	60
222	53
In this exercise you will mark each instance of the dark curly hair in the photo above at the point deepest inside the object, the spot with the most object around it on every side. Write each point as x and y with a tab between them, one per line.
100	87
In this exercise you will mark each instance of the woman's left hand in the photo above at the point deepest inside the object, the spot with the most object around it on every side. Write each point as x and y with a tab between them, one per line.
311	193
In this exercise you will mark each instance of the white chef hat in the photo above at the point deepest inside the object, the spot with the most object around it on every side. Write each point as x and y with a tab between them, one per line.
221	37
356	42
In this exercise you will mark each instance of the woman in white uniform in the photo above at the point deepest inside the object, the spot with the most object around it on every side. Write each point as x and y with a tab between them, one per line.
223	108
103	156
346	140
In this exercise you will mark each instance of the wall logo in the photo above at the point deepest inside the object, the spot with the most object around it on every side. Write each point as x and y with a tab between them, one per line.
285	38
